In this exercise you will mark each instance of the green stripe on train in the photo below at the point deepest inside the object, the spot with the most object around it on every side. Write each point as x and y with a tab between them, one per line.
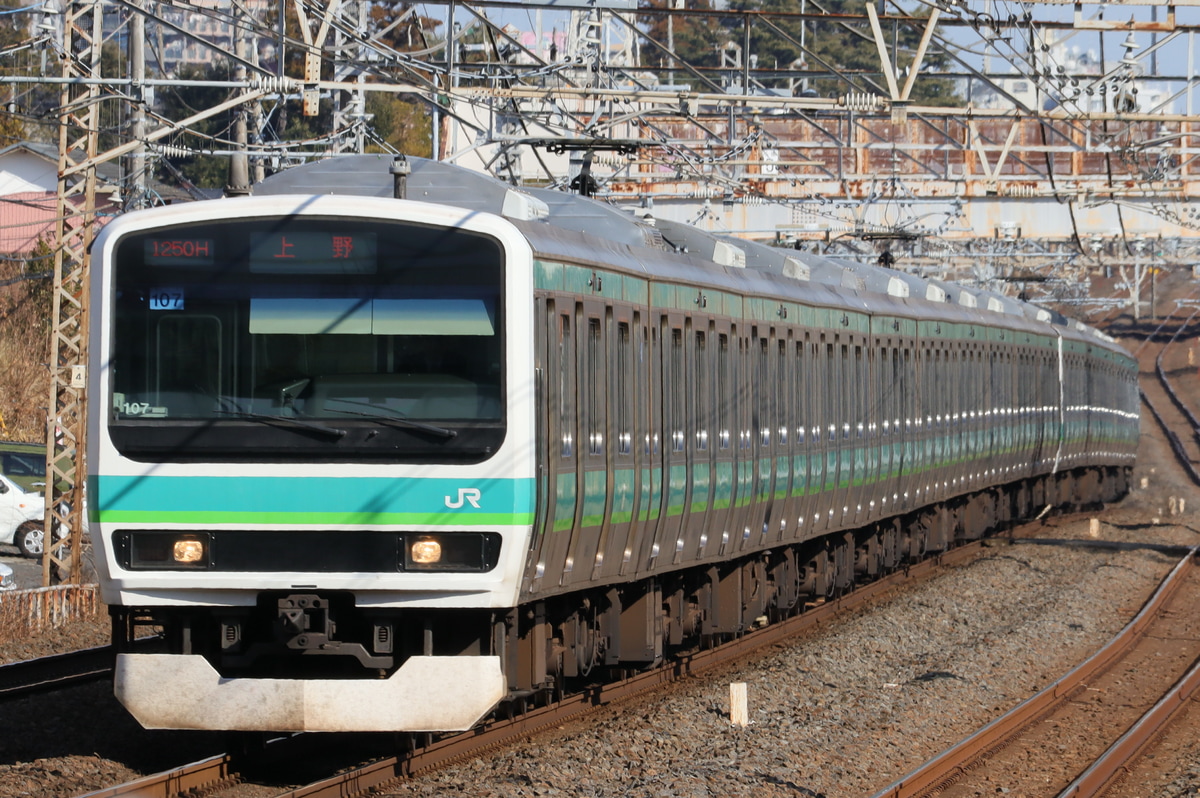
311	500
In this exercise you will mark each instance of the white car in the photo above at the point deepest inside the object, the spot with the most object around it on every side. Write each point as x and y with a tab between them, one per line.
7	580
21	518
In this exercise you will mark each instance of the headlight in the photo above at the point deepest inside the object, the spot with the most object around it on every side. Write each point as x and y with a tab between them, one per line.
451	551
188	551
425	551
163	550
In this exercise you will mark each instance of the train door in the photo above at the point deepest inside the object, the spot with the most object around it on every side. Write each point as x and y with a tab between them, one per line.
699	387
860	434
902	375
846	405
723	440
923	445
560	456
802	420
648	442
762	471
625	457
1036	415
593	477
673	412
880	429
741	349
784	426
940	401
825	449
954	421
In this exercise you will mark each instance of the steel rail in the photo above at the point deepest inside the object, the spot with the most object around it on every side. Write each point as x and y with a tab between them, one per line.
199	776
1105	772
56	671
954	762
19	679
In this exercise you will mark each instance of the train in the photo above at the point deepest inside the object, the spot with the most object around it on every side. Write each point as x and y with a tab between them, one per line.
391	445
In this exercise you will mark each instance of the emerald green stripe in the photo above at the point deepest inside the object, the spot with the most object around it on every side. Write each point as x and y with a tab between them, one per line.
200	517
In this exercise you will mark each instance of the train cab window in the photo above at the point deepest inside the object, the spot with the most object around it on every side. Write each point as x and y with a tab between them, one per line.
346	338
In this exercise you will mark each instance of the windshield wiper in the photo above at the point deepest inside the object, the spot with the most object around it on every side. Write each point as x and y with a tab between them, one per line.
399	421
285	421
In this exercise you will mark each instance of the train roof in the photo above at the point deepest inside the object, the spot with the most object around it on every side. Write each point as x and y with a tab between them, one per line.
559	223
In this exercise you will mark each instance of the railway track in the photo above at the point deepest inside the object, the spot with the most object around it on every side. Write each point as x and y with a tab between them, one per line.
55	672
1123	695
1010	743
1165	397
429	753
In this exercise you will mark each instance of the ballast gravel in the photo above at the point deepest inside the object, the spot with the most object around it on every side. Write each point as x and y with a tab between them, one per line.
849	710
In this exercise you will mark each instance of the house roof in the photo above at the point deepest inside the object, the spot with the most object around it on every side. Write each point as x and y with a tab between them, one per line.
108	172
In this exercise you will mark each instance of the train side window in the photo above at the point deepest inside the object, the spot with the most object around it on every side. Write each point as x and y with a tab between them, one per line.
596	386
675	365
849	389
801	404
832	385
724	392
566	386
765	393
860	379
700	398
624	395
783	404
650	335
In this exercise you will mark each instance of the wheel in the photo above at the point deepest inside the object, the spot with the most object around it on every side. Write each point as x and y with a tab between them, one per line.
29	539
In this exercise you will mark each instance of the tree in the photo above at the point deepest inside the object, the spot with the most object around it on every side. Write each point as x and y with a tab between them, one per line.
695	39
179	102
847	47
402	122
839	55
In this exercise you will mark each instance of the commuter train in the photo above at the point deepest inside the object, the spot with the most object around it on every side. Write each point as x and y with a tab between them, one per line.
390	444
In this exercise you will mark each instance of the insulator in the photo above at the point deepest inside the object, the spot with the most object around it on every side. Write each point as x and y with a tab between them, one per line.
173	151
861	101
274	84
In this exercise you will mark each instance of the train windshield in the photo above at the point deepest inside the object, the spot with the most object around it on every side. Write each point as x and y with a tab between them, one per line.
347	337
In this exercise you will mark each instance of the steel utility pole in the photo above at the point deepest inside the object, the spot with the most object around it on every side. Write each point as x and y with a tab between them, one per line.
74	229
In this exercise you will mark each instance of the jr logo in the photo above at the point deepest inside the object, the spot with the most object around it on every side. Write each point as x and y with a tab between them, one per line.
470	495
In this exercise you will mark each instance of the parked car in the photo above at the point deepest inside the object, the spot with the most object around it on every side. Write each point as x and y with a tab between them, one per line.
7	580
21	518
24	464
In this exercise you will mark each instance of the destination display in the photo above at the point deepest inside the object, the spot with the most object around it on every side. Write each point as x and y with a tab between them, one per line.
311	252
179	252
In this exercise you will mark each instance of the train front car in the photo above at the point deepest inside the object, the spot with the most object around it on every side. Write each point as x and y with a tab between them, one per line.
309	460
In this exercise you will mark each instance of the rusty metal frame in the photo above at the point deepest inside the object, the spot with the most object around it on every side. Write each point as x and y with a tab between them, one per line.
74	230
